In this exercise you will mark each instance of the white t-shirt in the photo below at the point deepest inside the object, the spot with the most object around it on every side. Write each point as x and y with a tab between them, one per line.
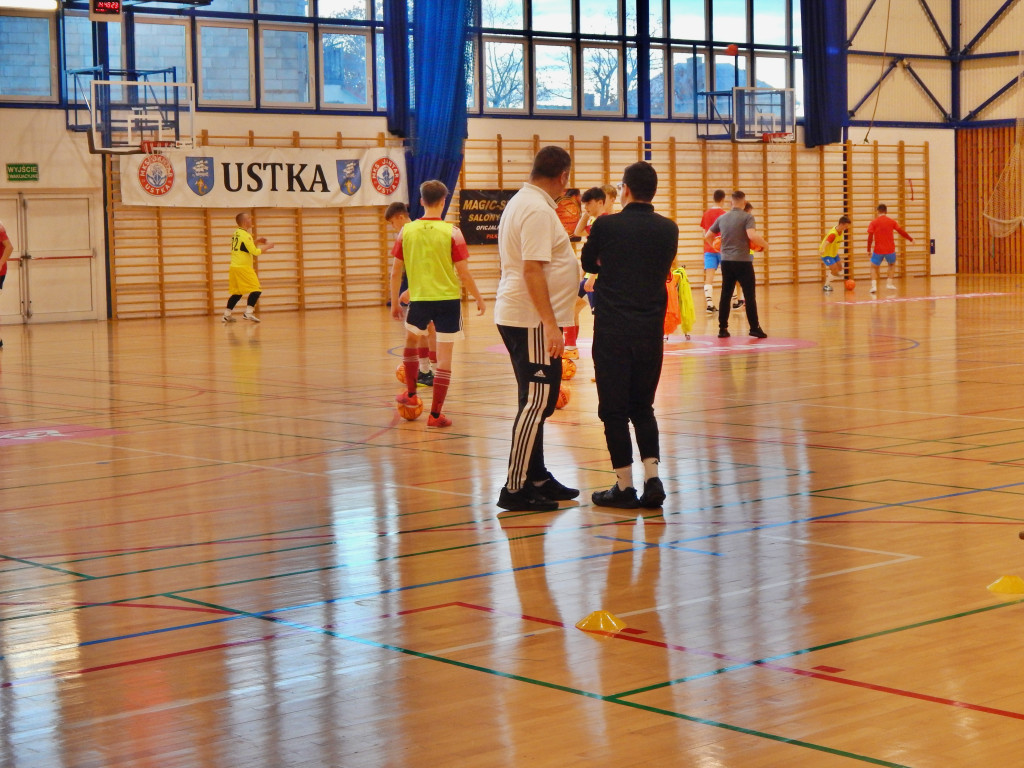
529	230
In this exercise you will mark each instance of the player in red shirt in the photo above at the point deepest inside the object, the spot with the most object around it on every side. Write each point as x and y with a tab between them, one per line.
712	258
5	254
882	245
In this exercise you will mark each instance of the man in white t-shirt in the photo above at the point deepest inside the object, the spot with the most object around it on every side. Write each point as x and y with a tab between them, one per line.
540	278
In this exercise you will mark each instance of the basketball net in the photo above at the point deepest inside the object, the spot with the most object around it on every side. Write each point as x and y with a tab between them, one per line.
1004	210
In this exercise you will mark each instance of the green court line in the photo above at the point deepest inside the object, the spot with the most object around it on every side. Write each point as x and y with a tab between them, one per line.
815	648
561	688
55	569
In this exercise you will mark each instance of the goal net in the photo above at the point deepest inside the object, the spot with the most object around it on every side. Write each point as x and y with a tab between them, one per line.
1004	210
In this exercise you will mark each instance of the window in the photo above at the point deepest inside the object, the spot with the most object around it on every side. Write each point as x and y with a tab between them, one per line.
686	19
688	77
159	45
225	65
553	75
284	7
345	62
229	6
602	80
601	17
382	84
504	75
770	21
729	21
502	14
26	53
342	9
286	66
553	16
657	82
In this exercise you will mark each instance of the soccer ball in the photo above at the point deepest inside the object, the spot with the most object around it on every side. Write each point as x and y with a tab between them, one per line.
717	243
850	284
400	372
564	395
410	412
568	368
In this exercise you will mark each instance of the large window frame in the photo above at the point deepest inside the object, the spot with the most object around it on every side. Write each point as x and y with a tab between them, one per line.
295	29
200	77
369	67
53	63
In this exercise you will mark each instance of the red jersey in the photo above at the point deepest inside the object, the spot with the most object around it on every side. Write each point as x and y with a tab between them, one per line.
4	239
881	230
710	217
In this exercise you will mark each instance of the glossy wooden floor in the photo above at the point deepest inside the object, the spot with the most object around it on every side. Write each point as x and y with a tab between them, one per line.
220	547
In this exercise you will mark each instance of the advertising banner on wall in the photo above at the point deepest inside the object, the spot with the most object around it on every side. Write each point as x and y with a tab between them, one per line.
265	177
479	212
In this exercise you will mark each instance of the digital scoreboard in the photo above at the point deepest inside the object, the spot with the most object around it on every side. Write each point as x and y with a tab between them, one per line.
105	10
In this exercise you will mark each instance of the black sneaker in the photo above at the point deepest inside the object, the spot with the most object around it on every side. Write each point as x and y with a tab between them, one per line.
710	309
616	497
526	499
737	303
425	378
653	495
723	333
757	333
555	490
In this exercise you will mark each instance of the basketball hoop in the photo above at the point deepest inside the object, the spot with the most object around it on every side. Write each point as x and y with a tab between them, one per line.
150	146
779	137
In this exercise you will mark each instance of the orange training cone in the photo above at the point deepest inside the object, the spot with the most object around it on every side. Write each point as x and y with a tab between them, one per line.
601	621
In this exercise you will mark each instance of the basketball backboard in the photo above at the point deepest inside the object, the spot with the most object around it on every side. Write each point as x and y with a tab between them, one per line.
761	112
129	116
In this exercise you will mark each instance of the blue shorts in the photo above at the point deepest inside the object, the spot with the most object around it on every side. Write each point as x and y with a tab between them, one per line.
712	260
588	295
876	258
446	316
830	260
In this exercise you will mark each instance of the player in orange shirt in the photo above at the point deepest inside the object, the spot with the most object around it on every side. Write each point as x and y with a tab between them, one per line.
882	245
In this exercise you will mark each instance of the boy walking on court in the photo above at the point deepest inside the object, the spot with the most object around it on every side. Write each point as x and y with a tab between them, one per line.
712	256
829	250
242	277
633	252
434	256
397	215
739	234
882	246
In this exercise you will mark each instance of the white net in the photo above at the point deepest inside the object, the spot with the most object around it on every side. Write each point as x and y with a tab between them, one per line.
1004	210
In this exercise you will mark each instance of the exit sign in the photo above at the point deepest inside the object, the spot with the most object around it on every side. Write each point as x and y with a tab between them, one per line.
23	171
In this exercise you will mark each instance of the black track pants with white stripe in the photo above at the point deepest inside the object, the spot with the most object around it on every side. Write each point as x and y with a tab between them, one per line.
538	377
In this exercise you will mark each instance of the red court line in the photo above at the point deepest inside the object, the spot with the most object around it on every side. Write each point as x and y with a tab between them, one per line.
767	665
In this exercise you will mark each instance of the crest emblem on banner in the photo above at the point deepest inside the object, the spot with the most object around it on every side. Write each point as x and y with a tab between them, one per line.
385	176
350	177
199	174
156	175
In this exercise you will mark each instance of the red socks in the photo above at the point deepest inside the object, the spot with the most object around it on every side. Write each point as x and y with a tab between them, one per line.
412	369
571	334
442	379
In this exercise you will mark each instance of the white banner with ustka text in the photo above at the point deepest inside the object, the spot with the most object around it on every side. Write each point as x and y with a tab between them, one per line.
264	177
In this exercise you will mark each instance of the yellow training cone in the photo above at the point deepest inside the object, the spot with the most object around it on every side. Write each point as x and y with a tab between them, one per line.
601	621
1007	585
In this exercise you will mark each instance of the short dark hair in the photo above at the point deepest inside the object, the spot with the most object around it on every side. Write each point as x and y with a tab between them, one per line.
748	207
642	180
881	208
395	209
738	195
719	195
571	192
550	163
844	219
433	191
594	193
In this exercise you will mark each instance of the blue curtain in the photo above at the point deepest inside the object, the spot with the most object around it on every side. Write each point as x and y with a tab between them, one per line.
396	65
438	124
824	44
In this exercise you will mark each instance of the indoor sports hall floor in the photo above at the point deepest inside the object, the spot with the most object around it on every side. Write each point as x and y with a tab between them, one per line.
219	546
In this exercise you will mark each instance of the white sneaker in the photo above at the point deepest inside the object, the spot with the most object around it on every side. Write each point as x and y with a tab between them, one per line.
227	318
874	288
827	288
251	316
890	286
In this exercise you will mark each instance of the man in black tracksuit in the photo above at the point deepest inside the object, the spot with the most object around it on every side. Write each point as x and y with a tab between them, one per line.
632	252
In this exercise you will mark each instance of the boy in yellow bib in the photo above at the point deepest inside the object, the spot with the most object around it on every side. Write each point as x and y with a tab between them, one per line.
242	277
829	251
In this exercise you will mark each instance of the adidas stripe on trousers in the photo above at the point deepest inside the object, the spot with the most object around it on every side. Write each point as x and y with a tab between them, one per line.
538	377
